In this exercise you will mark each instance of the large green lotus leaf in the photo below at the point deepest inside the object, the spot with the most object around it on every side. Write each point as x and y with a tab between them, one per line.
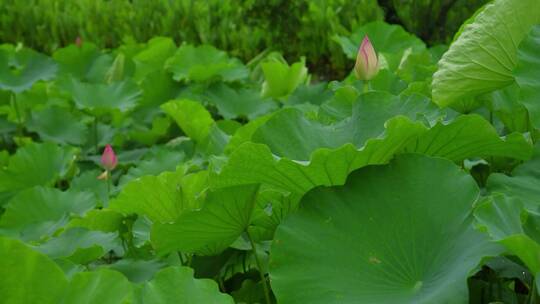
21	69
469	136
59	125
482	58
526	73
369	115
506	221
35	165
80	245
241	103
413	242
99	97
27	276
157	88
390	41
77	61
40	211
204	63
191	116
280	79
254	163
102	286
225	215
387	81
160	198
176	285
152	58
522	183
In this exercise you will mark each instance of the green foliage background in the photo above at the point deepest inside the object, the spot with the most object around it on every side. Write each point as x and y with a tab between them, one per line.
244	28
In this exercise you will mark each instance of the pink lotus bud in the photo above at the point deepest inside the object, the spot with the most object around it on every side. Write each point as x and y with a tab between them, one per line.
108	158
78	41
367	63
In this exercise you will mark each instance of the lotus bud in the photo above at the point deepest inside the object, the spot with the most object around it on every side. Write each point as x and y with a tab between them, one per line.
108	158
367	63
116	71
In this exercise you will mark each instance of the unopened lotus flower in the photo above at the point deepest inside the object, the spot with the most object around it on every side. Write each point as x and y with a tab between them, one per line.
108	158
367	63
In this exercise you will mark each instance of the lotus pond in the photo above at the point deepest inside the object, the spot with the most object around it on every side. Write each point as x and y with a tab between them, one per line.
158	173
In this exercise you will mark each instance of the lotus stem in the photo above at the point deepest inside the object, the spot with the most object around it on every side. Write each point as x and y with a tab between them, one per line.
17	112
263	279
95	135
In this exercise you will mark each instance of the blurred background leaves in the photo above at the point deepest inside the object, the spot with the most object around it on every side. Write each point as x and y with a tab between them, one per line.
243	28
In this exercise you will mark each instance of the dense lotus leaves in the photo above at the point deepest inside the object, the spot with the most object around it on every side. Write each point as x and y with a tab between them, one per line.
150	134
78	61
468	136
157	88
159	159
80	245
204	63
226	213
101	286
197	123
152	58
191	116
411	243
35	165
87	181
505	104
483	56
280	79
526	73
522	183
18	106
339	106
21	69
416	66
161	198
177	285
390	42
387	81
255	163
245	133
27	276
367	118
99	97
68	130
98	219
239	103
272	207
39	211
312	93
507	222
137	271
